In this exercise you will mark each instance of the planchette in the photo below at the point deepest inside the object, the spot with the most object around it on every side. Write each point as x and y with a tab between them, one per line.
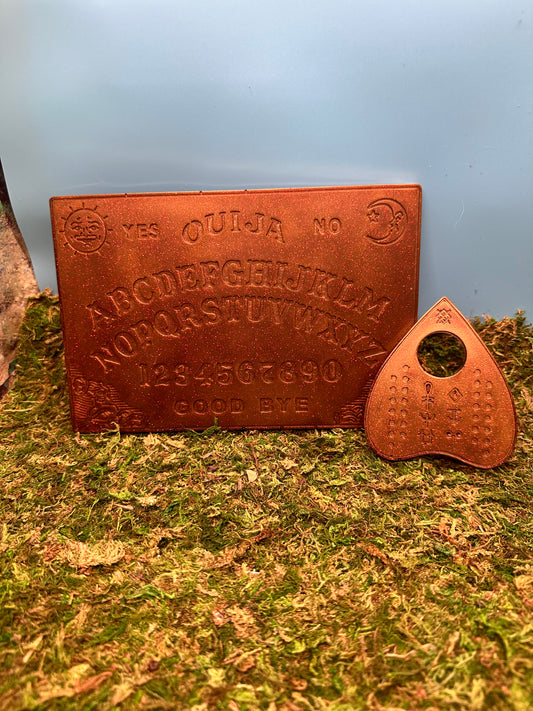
469	415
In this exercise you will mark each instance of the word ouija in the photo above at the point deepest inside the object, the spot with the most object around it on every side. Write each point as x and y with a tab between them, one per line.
236	223
236	273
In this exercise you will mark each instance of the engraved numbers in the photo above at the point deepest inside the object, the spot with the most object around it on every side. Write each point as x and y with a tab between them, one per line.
247	372
181	374
223	373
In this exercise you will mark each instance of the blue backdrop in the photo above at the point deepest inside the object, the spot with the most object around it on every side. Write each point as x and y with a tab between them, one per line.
123	95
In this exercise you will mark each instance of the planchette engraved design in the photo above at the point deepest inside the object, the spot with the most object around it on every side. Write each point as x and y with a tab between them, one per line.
469	415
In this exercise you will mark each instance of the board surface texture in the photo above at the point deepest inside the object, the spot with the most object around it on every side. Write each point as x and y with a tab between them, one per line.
252	309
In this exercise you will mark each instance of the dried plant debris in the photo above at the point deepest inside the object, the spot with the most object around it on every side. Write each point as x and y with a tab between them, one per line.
274	570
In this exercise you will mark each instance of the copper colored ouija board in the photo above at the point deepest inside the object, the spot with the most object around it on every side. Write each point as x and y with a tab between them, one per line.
253	309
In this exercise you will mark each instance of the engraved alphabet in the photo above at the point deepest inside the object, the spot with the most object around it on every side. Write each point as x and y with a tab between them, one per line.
237	273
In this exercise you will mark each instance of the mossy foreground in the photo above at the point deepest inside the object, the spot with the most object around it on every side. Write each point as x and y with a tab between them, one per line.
272	570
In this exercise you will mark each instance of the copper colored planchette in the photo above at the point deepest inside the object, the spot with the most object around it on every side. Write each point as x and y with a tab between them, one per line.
469	415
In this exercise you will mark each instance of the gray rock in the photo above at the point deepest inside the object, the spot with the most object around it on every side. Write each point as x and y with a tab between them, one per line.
17	283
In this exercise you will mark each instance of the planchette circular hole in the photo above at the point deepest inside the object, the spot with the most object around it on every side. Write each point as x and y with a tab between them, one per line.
441	354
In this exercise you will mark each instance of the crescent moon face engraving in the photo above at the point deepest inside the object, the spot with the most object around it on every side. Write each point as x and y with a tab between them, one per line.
387	220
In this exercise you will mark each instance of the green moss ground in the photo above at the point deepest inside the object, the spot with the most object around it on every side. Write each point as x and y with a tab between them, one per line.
276	570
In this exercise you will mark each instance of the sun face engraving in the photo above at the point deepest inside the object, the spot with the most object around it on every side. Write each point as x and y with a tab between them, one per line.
85	230
386	221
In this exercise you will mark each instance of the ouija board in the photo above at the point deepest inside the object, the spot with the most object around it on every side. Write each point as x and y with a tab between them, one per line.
250	309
